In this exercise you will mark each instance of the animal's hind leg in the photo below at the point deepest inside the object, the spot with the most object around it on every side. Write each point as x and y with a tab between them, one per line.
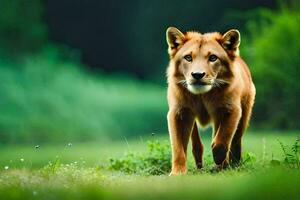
236	143
197	147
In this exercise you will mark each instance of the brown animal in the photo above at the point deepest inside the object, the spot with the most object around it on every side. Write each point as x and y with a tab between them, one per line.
207	82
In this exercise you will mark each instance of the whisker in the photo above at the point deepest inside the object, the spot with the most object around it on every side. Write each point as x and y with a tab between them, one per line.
216	84
223	81
219	82
183	83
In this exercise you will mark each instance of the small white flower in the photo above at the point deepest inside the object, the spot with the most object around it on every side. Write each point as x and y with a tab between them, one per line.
6	167
69	144
22	159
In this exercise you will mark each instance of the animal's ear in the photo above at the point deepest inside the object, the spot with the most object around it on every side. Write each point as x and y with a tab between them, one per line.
175	39
231	41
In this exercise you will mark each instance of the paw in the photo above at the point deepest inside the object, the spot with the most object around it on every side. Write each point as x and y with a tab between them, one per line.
235	164
216	169
177	172
199	165
219	154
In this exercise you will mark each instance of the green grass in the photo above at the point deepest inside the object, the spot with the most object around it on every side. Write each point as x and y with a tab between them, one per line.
79	173
262	144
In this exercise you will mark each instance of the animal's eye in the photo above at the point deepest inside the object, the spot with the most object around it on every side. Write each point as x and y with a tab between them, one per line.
188	58
212	58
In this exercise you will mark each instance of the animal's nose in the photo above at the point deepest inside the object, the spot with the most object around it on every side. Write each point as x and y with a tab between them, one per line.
198	75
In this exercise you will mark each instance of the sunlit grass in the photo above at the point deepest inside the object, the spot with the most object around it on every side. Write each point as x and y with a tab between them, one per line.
79	171
264	145
75	182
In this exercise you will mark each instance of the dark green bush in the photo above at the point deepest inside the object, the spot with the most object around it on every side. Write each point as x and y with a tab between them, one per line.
272	51
47	99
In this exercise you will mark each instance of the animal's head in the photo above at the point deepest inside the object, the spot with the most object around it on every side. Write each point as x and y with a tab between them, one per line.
201	61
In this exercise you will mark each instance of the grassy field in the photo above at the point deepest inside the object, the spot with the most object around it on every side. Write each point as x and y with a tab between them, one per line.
79	171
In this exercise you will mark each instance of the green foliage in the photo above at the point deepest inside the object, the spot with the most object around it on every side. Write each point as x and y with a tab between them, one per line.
52	167
291	154
21	27
45	98
249	158
156	161
273	55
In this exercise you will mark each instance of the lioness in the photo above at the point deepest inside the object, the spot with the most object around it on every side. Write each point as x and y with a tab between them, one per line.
207	82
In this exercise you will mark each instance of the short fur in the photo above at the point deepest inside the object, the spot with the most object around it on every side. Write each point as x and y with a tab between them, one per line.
224	98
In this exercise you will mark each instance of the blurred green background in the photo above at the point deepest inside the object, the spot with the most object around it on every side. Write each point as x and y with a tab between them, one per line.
95	70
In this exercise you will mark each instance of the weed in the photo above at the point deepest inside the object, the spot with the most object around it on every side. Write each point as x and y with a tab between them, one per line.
53	166
291	153
156	161
249	159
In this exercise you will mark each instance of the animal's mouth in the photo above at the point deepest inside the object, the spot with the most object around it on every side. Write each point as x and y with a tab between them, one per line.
199	87
199	83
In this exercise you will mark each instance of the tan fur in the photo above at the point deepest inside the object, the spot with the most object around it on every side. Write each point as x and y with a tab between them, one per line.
225	100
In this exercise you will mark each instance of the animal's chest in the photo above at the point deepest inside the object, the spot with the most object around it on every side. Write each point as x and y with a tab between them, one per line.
202	112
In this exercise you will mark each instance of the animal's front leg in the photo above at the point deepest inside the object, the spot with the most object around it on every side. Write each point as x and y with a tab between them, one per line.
226	126
197	147
180	123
